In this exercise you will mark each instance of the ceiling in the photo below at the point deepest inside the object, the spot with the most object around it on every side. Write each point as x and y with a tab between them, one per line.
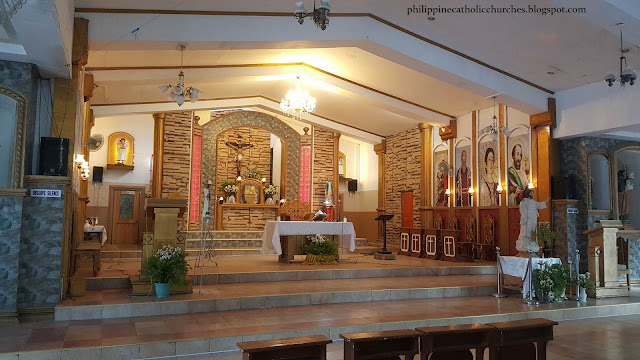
376	68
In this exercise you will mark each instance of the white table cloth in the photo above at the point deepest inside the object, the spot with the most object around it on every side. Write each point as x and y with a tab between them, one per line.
517	266
274	229
96	229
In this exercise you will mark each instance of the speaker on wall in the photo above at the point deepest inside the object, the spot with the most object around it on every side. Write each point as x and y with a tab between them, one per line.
352	185
563	187
97	173
54	156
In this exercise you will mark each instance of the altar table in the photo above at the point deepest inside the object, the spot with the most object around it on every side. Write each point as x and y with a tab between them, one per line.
96	229
517	266
274	229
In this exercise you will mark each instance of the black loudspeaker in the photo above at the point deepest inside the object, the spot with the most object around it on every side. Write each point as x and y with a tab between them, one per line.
54	156
97	173
563	187
352	185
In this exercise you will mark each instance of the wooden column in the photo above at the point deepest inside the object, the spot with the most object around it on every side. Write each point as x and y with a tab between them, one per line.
503	238
158	145
426	156
336	175
381	151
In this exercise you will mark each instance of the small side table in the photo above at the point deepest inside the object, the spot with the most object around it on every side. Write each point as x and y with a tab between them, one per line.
455	338
303	347
92	249
514	336
381	344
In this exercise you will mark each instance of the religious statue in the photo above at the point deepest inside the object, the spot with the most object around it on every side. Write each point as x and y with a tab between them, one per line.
625	186
528	223
205	202
518	175
328	192
123	145
239	147
463	181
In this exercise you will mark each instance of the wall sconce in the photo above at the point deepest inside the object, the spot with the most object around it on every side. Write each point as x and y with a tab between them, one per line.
499	189
239	178
471	192
264	180
282	201
79	160
221	200
530	186
447	193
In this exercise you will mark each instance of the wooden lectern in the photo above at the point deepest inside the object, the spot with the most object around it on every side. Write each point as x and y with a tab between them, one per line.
166	213
603	259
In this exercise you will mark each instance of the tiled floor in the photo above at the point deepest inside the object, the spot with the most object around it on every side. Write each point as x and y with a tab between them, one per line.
87	333
611	338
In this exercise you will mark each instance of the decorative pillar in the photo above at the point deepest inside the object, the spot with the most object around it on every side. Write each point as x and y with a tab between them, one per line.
336	175
503	238
381	151
158	146
426	155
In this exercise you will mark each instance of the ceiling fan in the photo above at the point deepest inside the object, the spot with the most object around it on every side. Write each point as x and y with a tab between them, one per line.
494	128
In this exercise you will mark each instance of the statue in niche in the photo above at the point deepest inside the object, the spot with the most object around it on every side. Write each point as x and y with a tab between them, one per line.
239	147
123	145
528	223
121	149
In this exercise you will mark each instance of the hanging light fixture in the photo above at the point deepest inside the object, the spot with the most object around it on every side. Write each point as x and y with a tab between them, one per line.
179	93
297	101
320	14
627	74
8	8
494	128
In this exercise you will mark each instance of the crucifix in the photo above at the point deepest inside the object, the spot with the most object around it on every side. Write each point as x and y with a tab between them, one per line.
239	147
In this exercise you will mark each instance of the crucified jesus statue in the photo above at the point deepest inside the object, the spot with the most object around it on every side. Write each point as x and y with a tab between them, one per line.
239	147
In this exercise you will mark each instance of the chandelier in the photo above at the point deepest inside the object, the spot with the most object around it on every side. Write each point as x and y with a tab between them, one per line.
8	8
180	92
320	14
494	128
627	74
298	101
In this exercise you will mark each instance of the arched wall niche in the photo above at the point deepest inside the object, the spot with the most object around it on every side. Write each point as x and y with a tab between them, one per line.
287	135
16	175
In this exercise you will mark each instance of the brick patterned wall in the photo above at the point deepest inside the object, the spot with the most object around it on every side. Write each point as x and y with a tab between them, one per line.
402	173
177	157
258	157
322	166
243	219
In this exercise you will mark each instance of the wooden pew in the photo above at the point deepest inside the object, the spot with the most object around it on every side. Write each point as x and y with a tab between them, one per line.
430	243
381	344
415	242
455	341
405	241
515	339
303	347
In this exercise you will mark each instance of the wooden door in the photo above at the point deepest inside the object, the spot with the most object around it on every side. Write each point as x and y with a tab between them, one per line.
125	215
407	209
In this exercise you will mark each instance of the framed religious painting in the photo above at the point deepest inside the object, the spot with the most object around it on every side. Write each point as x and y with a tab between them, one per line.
518	164
488	171
441	175
342	164
463	173
120	149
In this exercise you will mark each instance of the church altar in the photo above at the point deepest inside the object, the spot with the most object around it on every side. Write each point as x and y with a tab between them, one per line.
517	266
274	229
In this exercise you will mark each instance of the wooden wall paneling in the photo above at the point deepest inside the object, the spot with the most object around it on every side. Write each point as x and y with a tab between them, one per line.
336	176
381	151
158	148
475	199
426	170
513	226
503	232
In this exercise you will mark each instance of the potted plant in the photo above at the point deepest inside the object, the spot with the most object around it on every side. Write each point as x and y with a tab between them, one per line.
320	251
584	282
229	189
269	191
543	233
550	282
165	268
252	173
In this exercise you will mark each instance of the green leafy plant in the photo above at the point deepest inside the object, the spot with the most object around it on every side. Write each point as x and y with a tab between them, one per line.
319	245
543	233
270	189
228	187
584	281
168	265
552	280
252	173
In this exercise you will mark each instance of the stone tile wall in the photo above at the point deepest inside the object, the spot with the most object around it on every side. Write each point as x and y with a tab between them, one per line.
10	228
322	165
177	157
402	173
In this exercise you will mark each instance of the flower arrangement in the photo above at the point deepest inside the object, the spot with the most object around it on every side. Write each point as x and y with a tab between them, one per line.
584	282
252	173
551	280
168	265
270	189
228	187
320	246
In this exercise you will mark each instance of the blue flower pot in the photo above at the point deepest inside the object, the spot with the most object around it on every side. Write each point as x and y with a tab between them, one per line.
163	290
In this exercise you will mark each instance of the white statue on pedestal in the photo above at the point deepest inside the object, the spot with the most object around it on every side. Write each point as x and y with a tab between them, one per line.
528	223
205	200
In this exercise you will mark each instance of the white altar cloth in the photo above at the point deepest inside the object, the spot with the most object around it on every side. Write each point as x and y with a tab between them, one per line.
517	266
96	229
274	229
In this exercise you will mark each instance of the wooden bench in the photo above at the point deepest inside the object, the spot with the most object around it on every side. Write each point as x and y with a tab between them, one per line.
455	341
381	344
303	347
91	249
515	339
